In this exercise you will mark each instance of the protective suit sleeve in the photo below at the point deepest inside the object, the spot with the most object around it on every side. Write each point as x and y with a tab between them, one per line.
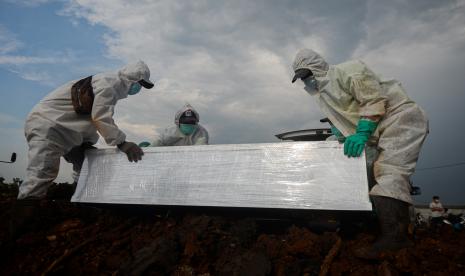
201	136
201	141
366	89
102	115
158	141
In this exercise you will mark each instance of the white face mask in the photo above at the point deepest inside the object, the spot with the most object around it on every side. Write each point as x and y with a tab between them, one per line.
311	85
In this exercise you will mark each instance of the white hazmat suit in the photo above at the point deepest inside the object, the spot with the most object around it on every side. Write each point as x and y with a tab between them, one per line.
53	127
172	136
348	91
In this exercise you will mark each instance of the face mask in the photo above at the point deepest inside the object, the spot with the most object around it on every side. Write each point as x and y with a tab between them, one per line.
187	129
135	88
311	85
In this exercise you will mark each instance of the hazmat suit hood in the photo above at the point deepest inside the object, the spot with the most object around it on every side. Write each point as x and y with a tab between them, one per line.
134	72
309	59
184	109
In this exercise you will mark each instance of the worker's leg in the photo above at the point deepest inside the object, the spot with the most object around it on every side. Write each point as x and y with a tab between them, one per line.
393	217
436	224
76	157
42	168
399	147
371	153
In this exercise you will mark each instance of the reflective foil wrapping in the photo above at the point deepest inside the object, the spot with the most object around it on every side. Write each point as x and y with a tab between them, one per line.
286	175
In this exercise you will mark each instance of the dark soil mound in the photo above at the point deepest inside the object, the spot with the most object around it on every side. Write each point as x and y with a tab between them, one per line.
66	239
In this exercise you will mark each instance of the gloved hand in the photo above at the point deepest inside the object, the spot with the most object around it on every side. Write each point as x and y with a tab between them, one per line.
144	144
133	151
340	137
354	144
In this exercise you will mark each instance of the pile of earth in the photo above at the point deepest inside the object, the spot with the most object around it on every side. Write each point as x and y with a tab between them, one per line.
70	239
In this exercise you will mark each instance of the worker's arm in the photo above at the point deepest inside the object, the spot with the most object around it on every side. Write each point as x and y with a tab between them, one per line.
438	209
102	113
203	139
365	87
159	140
371	118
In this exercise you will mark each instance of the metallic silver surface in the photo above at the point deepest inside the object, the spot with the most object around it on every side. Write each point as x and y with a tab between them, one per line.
294	175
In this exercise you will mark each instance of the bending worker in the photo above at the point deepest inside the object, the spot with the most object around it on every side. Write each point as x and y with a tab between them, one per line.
68	121
186	132
380	115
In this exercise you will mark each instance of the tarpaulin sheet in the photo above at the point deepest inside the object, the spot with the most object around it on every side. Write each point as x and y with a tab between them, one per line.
289	175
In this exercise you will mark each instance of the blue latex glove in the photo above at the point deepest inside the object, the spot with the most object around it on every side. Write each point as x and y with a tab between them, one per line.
144	144
354	144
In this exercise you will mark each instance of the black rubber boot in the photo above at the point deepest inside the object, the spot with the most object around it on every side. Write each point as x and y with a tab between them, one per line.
22	214
393	218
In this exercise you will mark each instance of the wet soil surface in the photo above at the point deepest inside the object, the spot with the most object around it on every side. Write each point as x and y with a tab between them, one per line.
69	239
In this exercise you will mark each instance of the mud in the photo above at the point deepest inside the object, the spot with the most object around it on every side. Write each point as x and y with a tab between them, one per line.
67	239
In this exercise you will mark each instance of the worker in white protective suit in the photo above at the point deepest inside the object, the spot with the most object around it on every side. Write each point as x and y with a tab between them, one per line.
67	122
377	116
186	132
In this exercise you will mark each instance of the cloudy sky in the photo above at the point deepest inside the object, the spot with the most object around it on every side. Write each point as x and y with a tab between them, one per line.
231	60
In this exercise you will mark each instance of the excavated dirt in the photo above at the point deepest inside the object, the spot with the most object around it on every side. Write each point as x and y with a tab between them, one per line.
67	239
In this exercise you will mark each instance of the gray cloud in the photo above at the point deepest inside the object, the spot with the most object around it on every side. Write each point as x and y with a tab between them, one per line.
230	60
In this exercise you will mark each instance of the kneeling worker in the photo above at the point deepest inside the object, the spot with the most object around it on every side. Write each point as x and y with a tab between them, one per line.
186	132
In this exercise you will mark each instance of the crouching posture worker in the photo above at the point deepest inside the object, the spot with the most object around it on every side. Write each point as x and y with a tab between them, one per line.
379	115
67	122
186	132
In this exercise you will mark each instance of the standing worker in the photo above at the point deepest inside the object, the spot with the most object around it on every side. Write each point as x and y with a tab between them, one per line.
437	214
186	132
377	114
67	122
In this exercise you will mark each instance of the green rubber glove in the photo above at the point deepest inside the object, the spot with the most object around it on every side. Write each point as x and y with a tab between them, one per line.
340	137
354	144
144	144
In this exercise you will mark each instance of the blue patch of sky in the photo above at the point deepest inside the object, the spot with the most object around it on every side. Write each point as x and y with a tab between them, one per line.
46	34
